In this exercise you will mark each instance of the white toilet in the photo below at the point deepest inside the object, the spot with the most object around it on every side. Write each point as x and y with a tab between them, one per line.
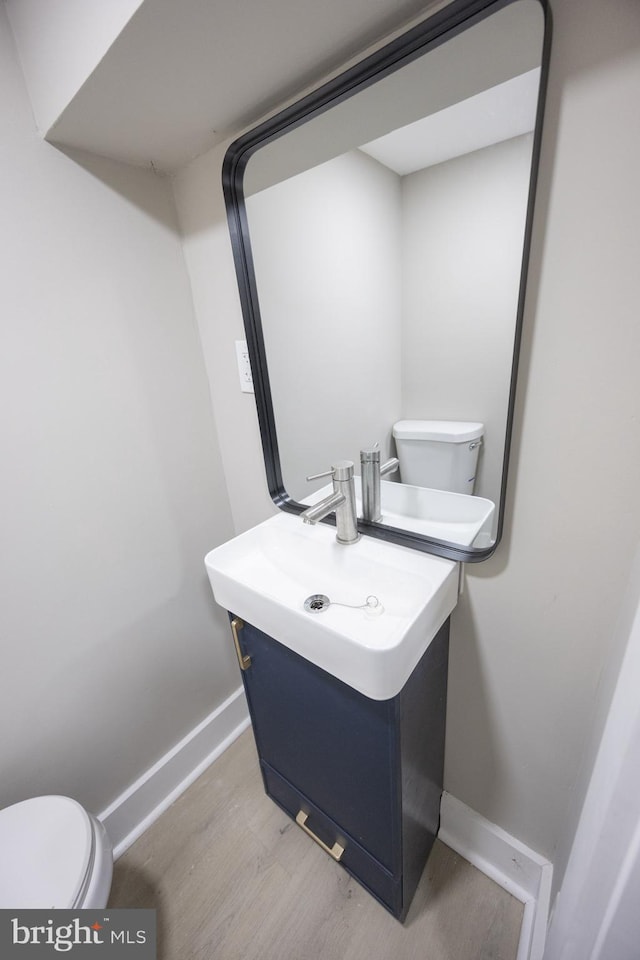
53	855
441	454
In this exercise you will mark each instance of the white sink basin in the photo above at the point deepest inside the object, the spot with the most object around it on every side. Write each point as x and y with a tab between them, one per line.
266	574
453	517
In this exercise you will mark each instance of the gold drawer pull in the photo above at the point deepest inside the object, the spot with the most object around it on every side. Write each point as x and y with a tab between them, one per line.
335	851
243	659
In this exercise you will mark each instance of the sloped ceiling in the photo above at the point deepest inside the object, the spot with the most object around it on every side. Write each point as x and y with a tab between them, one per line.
184	76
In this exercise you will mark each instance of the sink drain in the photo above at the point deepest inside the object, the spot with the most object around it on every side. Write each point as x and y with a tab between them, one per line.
316	603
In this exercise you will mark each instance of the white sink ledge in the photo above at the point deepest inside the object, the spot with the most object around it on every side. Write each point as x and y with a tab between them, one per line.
265	575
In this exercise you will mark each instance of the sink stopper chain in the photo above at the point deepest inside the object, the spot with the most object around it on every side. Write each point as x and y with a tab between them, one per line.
318	602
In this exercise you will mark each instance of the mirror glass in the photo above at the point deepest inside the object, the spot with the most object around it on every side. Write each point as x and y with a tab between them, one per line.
380	231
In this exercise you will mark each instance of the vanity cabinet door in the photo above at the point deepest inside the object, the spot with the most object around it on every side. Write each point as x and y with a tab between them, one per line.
335	746
365	774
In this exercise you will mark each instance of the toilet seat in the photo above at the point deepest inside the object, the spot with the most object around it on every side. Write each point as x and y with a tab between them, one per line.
47	853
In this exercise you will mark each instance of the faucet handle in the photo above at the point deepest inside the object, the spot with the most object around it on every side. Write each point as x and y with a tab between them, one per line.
341	470
317	476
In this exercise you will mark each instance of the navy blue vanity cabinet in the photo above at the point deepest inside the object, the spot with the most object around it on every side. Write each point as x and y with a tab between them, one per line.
363	777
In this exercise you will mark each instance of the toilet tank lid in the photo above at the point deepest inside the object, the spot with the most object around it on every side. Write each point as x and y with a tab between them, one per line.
446	431
46	846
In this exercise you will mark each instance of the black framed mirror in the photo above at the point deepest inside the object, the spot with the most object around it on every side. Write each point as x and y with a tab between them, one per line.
380	229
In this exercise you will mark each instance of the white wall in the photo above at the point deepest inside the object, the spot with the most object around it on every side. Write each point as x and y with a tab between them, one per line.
596	912
463	234
531	635
207	251
59	44
111	488
326	249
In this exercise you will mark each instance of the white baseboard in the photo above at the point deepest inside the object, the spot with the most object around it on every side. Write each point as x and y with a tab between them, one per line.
523	872
141	804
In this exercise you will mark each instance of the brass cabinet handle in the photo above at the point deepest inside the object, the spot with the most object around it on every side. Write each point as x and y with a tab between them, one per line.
243	659
335	851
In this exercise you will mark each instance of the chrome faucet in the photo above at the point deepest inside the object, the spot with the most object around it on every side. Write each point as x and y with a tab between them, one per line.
342	502
371	471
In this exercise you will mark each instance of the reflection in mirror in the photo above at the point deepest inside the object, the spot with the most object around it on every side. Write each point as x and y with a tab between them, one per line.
388	235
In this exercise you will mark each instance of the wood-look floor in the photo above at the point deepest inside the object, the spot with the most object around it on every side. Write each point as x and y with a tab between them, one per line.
232	878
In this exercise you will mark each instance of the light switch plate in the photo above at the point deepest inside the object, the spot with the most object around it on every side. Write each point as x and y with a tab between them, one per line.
244	367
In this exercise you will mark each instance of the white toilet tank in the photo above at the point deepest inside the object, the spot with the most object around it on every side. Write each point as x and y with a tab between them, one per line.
441	454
